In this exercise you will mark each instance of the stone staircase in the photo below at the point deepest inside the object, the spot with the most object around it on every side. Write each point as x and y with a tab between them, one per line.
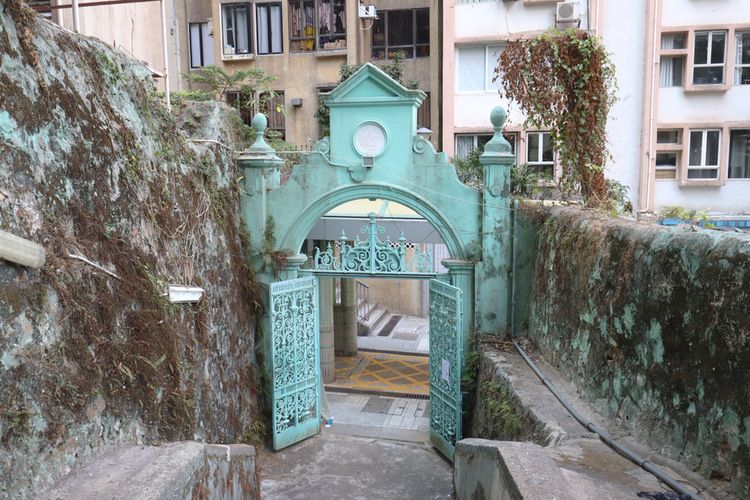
370	317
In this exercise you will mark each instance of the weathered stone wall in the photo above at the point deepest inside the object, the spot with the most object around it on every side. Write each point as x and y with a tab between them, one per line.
652	325
93	165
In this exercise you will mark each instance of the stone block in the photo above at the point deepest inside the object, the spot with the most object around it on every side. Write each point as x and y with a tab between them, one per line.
503	470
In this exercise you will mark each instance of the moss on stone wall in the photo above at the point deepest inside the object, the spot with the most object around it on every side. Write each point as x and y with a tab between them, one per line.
652	325
93	165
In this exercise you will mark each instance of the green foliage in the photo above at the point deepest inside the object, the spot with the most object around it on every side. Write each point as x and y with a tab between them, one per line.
617	193
565	82
394	69
177	98
523	178
504	423
681	213
217	82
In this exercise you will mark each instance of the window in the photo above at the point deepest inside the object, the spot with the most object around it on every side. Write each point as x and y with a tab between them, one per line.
668	137
273	108
236	21
666	165
539	153
703	154
742	58
708	57
317	24
405	32
242	101
466	143
671	67
201	45
739	154
476	68
424	118
269	31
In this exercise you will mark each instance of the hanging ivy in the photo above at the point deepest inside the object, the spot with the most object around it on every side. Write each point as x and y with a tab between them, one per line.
565	82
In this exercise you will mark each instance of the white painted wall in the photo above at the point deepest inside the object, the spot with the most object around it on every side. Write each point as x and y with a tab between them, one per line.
491	20
675	105
692	12
624	125
731	198
488	22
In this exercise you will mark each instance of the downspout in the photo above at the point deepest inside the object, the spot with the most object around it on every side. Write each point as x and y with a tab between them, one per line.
76	19
513	258
177	53
164	50
654	63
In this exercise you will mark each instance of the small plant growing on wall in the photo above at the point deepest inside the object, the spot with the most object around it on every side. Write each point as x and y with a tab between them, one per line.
565	82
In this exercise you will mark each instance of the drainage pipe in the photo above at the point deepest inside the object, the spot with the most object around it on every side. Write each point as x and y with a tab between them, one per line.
604	436
21	251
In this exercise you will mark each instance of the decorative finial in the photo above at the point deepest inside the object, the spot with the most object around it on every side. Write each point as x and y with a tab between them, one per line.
260	124
498	143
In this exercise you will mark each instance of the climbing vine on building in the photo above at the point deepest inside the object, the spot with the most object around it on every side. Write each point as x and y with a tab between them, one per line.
564	82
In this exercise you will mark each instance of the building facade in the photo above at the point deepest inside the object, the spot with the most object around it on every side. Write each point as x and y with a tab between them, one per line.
678	132
303	43
695	149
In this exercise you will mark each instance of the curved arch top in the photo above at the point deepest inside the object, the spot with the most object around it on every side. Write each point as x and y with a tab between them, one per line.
296	234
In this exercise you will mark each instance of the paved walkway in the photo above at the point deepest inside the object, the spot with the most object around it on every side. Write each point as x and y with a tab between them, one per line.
377	416
332	466
395	374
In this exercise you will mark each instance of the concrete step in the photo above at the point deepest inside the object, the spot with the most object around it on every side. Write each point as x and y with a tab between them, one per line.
378	316
175	470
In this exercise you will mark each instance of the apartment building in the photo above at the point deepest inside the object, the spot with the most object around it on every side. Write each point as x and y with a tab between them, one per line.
696	110
679	132
303	44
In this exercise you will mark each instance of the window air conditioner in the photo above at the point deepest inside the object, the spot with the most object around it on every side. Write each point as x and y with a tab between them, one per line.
567	14
367	12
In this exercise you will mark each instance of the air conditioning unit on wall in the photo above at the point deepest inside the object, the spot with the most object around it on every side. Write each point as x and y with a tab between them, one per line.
568	15
368	12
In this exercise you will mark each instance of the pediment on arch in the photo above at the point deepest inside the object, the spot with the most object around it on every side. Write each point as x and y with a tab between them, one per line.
370	83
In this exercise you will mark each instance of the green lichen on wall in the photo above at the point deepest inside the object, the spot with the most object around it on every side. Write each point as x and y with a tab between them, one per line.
652	324
92	165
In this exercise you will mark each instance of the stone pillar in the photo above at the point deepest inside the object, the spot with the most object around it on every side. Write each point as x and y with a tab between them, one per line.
327	361
461	273
291	270
261	169
345	327
493	272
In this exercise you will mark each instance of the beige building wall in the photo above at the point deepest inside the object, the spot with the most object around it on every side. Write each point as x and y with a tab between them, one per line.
398	296
301	75
134	28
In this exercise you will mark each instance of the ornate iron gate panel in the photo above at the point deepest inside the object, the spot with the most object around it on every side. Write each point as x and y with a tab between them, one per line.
445	366
294	360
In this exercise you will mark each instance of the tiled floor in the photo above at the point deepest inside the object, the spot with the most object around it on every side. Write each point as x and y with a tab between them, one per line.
373	371
379	411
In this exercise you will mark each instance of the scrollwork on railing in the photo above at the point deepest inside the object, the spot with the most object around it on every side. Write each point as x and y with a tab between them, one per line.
373	256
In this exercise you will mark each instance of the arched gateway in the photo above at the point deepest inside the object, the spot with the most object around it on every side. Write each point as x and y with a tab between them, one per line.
374	151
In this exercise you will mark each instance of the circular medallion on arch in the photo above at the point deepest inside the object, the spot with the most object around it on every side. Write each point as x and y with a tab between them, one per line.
370	139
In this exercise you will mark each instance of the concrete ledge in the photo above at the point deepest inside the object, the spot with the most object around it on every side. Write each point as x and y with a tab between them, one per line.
175	470
485	469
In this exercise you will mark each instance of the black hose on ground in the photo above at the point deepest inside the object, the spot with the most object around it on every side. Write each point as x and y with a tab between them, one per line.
604	436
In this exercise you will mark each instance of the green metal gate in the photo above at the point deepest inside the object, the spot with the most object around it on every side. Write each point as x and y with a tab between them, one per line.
294	347
445	366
